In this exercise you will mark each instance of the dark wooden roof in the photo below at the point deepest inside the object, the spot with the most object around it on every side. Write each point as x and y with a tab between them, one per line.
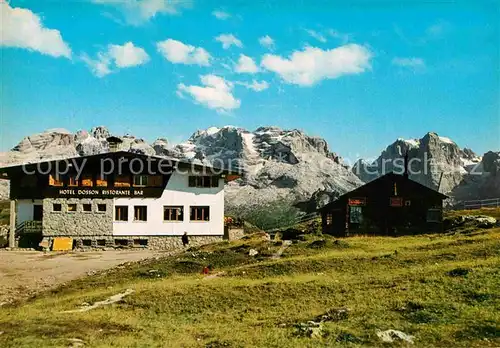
11	171
392	177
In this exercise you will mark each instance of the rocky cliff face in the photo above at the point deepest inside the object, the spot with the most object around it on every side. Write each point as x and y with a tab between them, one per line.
434	161
277	165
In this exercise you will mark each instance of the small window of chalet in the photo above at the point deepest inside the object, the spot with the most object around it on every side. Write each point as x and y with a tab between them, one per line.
203	181
55	180
72	207
56	207
329	218
140	180
140	213
101	208
121	213
199	213
173	213
122	181
87	207
434	215
355	215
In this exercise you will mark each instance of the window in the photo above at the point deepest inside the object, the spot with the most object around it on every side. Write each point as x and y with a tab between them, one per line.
434	215
200	214
140	180
72	207
155	181
140	213
101	181
122	181
72	181
101	208
171	213
121	213
203	181
355	215
55	180
56	207
87	207
329	218
86	181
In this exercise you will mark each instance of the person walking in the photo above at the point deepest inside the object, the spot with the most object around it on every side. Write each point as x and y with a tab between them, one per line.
185	239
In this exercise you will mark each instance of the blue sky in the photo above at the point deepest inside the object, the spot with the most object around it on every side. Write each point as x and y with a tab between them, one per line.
358	73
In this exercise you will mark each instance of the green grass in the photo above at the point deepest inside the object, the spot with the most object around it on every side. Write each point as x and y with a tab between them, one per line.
441	289
493	212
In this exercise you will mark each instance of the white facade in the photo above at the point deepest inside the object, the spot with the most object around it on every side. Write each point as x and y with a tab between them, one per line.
176	193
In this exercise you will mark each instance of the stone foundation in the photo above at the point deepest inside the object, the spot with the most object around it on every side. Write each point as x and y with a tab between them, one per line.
146	242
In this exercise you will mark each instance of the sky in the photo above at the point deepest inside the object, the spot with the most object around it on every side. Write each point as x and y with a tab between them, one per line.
358	73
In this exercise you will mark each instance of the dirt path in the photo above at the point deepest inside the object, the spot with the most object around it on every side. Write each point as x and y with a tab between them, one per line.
23	273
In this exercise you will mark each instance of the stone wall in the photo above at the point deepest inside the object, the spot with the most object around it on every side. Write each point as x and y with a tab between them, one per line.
233	233
77	223
175	242
149	242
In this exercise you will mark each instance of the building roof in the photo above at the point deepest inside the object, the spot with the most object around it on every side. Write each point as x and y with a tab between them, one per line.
380	180
10	171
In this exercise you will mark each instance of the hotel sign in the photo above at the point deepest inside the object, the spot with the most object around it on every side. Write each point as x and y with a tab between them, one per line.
103	192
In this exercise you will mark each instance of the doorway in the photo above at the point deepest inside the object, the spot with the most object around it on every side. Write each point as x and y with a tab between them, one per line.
37	212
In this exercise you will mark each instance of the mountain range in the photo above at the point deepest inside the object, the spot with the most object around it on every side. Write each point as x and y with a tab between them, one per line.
285	165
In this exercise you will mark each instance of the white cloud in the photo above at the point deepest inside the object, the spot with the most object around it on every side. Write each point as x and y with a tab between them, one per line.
222	15
246	65
137	12
411	62
116	57
318	36
307	67
228	40
22	28
267	42
216	93
180	53
255	85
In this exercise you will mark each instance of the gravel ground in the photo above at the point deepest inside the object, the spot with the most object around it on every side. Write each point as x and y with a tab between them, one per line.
24	273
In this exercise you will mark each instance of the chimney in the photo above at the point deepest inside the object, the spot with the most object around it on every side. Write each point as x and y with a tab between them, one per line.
114	143
406	174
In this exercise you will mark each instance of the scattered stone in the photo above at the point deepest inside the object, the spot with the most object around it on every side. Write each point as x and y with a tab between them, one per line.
285	244
108	301
76	342
334	314
479	221
310	329
390	336
346	337
252	252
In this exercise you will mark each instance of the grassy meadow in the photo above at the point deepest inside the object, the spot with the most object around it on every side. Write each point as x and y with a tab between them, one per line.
442	289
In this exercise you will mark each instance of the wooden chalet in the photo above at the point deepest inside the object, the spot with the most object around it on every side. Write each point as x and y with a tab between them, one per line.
392	204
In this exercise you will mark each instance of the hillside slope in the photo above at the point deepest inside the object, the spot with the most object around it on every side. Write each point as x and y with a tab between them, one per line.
442	290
